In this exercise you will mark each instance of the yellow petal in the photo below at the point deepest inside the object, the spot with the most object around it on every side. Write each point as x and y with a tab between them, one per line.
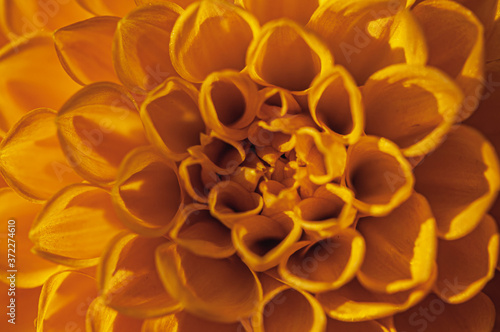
269	61
84	49
197	178
75	225
400	247
460	180
228	103
365	36
101	318
185	322
108	7
262	241
97	127
434	315
467	264
378	174
325	264
274	102
230	202
147	192
172	119
265	11
198	231
34	138
185	276
250	173
194	51
27	66
333	325
353	303
23	17
128	280
414	106
456	45
32	270
336	106
64	301
26	310
277	197
289	310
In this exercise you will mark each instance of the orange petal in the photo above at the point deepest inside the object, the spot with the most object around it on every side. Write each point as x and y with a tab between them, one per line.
194	51
456	45
423	106
23	17
101	318
460	180
172	133
64	301
492	290
365	36
185	276
26	66
147	192
250	174
32	270
269	61
26	310
288	310
492	36
228	103
378	174
34	138
433	315
197	179
333	325
145	28
84	49
336	106
265	11
274	102
353	303
97	127
128	280
108	7
400	247
325	264
75	225
198	231
262	241
277	197
229	202
467	264
185	322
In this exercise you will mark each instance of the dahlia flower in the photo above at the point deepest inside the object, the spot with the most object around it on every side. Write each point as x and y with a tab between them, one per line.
249	165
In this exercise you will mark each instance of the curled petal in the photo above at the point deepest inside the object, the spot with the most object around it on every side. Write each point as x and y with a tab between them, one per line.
230	202
251	172
400	247
460	180
219	154
333	325
33	270
26	313
414	106
185	322
128	280
262	241
34	138
108	7
71	292
185	276
146	27
84	49
336	106
197	178
353	303
228	103
97	127
22	64
324	156
277	197
274	102
261	135
456	45
265	11
326	264
378	174
365	36
172	119
269	61
433	315
101	318
147	192
198	231
75	225
467	264
194	51
288	309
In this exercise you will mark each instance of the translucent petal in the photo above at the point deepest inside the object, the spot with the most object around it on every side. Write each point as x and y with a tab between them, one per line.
108	7
101	318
